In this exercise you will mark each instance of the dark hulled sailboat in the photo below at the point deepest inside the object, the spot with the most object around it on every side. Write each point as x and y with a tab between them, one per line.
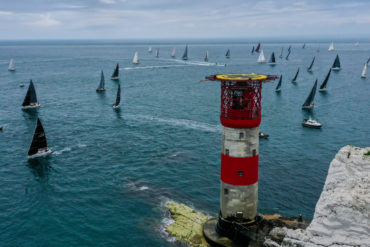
101	86
336	64
309	69
227	53
308	104
30	101
304	45
252	50
295	77
206	57
185	56
278	87
39	145
258	48
115	75
323	85
272	60
118	97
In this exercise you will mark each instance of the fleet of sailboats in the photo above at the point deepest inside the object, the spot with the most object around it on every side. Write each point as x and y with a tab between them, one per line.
336	64
135	60
261	58
115	75
101	86
309	69
11	66
30	101
39	145
308	104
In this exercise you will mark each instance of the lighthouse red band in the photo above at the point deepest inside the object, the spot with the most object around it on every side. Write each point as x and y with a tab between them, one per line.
240	116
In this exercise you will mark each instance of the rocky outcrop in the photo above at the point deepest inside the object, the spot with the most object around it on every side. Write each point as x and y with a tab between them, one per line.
342	213
188	224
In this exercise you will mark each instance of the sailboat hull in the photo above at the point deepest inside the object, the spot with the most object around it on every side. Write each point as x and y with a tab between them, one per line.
336	68
100	89
32	106
115	106
114	78
308	107
11	69
278	90
322	90
40	153
272	64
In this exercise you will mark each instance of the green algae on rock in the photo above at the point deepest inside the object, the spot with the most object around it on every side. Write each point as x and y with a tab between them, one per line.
188	224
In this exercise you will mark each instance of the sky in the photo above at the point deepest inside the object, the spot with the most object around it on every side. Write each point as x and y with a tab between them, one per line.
183	19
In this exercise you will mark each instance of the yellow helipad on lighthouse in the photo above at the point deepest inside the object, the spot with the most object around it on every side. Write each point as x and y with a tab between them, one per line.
241	77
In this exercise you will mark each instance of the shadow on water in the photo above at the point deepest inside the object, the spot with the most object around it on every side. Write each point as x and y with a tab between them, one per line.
118	113
40	167
30	114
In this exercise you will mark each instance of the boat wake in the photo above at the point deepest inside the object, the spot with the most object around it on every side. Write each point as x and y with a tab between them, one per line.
67	149
153	67
185	123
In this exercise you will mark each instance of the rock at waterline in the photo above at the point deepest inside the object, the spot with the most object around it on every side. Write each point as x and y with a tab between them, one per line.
187	225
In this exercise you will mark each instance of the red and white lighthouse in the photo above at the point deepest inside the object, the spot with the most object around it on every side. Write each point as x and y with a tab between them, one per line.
240	117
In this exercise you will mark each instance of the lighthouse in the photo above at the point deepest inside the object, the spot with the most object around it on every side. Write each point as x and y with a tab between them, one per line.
240	116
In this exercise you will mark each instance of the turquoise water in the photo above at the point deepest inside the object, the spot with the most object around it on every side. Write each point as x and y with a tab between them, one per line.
112	172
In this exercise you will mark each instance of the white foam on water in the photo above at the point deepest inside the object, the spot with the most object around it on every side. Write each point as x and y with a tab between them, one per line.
67	149
81	145
166	221
143	188
152	67
184	123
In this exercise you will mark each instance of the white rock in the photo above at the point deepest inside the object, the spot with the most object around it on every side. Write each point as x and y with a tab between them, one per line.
342	213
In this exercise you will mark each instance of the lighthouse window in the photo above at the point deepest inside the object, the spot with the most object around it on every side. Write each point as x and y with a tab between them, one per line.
227	151
254	151
240	173
241	135
226	191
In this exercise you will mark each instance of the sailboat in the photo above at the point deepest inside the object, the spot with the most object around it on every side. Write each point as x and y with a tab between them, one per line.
336	64
206	57
39	145
289	48
11	65
281	54
309	69
261	58
101	86
295	77
157	53
272	60
30	101
323	85
118	97
150	49
331	47
308	104
173	54
304	45
278	87
115	75
252	50
185	56
135	60
227	53
363	74
357	44
287	56
258	48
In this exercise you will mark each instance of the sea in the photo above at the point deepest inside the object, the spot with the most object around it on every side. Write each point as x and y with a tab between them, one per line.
112	172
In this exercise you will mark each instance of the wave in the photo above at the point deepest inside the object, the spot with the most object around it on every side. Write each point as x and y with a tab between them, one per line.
67	149
166	220
153	67
185	123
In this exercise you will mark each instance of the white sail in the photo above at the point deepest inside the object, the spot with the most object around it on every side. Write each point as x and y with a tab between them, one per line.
150	49
136	58
331	47
11	65
363	74
261	58
173	54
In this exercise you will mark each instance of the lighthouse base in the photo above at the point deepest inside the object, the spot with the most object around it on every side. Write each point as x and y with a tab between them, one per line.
221	233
